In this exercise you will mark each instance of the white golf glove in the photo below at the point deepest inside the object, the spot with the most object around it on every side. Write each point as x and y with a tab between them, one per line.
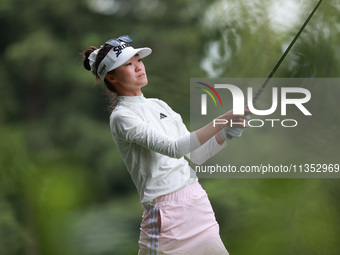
233	132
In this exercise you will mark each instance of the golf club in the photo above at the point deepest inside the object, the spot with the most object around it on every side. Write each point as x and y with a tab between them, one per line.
259	92
264	85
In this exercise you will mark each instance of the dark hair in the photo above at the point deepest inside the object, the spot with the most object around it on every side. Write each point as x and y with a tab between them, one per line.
112	93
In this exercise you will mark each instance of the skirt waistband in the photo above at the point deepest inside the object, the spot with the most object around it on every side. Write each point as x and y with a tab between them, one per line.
186	191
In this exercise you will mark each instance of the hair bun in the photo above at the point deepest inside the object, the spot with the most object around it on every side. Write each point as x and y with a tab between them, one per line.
86	55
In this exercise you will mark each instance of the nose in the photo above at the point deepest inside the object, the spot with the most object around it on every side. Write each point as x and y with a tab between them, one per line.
138	66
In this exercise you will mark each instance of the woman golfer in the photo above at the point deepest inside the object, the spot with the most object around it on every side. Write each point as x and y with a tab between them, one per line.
152	139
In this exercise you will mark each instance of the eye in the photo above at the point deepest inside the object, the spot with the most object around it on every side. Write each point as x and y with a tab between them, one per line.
140	60
128	64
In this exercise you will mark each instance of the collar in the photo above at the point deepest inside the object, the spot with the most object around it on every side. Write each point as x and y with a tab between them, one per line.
132	99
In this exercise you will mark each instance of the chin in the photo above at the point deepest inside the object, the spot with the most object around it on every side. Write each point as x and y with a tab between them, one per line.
144	83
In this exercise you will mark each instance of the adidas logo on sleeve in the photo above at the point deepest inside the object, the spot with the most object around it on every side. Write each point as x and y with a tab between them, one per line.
162	116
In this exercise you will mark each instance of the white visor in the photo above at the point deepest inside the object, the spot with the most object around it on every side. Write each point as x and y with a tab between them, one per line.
117	56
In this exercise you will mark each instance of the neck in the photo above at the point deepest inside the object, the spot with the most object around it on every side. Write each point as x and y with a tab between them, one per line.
130	93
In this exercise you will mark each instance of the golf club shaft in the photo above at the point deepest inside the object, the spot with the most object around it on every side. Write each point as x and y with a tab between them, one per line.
264	85
259	92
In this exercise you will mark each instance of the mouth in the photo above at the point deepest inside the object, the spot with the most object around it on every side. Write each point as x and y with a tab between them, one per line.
141	75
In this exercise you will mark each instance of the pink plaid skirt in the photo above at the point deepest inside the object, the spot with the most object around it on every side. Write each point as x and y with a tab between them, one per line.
181	223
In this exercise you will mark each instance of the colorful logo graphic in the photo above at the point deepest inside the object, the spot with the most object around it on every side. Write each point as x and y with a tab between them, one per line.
209	93
204	97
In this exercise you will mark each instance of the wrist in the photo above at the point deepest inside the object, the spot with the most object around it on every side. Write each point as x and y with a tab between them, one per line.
219	138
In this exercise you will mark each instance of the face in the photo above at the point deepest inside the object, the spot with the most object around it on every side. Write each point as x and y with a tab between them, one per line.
129	78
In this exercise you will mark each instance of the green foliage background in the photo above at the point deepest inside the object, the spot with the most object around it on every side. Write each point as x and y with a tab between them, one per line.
63	186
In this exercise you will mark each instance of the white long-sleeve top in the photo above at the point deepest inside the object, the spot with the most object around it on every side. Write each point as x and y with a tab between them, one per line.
153	141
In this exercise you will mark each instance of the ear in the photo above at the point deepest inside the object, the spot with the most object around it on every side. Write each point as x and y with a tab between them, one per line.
110	77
